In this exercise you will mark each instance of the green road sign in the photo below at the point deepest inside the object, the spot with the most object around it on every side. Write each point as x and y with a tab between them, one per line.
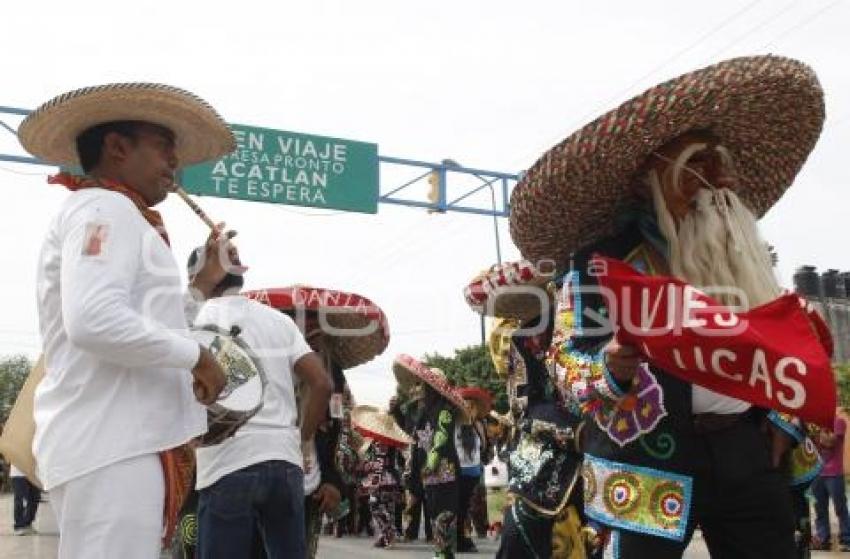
291	168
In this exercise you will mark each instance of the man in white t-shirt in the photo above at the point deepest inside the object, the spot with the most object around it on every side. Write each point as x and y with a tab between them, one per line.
255	478
124	385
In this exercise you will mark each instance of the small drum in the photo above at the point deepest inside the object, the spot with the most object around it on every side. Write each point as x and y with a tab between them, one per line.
242	396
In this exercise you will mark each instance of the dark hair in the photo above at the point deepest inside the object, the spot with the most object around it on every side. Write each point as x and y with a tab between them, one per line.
90	142
467	439
196	261
536	373
431	399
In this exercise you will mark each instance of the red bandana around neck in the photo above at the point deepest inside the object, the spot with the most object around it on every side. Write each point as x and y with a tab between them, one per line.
79	182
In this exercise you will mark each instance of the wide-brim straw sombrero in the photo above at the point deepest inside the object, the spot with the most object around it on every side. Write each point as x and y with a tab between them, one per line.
511	290
480	395
50	132
408	370
19	430
380	426
767	110
355	328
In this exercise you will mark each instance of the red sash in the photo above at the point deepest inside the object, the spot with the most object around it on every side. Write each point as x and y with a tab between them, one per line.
775	356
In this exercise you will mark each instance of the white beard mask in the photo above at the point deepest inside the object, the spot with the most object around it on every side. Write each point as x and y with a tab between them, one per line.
716	247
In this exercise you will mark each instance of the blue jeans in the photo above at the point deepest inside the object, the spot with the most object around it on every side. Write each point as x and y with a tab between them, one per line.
27	497
268	495
824	489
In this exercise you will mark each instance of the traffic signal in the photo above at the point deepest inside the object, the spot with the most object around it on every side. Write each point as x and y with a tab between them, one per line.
434	187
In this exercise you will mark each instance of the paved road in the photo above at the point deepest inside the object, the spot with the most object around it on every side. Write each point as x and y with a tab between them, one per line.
44	545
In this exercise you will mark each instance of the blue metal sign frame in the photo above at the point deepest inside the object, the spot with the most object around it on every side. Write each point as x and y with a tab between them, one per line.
445	171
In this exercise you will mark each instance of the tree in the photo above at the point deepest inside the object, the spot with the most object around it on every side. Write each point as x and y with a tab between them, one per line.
471	366
13	372
842	381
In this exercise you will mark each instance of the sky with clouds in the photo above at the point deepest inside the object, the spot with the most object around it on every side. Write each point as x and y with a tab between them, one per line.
488	84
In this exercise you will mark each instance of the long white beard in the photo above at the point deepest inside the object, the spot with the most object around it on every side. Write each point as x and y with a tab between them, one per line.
717	248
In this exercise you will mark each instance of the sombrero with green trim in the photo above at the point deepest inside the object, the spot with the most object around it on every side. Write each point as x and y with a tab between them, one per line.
767	110
408	370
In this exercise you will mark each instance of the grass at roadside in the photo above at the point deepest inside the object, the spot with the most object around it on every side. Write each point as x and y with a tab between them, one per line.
495	502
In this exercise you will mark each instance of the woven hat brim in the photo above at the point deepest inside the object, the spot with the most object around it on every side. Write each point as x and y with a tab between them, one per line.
509	304
767	110
408	370
374	424
514	290
50	132
381	438
354	313
351	351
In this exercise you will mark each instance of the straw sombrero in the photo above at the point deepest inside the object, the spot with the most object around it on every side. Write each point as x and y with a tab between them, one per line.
19	430
50	132
510	290
407	370
767	110
356	328
380	426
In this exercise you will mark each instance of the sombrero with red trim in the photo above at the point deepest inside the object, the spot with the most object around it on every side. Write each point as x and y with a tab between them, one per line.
511	290
378	425
356	328
768	111
408	369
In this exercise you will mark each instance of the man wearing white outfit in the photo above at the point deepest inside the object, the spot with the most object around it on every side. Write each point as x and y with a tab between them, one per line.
117	396
254	481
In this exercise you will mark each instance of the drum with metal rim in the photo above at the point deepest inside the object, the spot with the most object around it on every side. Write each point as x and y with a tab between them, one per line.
242	396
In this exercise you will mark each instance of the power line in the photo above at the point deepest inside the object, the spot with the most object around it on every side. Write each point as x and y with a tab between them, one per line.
414	245
610	100
666	62
757	27
800	24
404	242
372	258
16	172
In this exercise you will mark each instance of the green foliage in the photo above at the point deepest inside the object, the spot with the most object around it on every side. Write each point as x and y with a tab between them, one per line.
471	366
496	499
842	380
13	372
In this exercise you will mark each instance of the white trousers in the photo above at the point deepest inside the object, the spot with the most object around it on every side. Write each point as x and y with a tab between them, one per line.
114	512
